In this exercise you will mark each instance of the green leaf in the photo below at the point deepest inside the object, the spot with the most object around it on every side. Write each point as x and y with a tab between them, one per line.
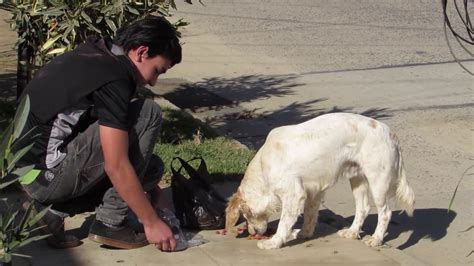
28	135
57	51
38	216
468	229
31	239
21	116
93	28
133	10
50	42
17	156
7	183
54	12
21	255
99	19
10	220
86	17
457	186
5	143
36	229
108	9
67	32
173	4
26	216
111	24
4	216
7	257
13	244
23	170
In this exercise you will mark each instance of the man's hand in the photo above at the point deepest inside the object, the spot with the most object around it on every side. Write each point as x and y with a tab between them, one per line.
159	233
122	175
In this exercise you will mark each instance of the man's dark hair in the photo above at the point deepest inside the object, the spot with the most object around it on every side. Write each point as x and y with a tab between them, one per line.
155	32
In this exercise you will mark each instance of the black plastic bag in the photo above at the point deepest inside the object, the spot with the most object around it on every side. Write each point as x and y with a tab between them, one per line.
197	204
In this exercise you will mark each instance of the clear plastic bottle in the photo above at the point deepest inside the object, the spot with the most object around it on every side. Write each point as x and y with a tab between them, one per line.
169	218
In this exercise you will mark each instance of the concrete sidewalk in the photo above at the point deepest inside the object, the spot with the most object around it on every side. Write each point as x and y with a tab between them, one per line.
325	248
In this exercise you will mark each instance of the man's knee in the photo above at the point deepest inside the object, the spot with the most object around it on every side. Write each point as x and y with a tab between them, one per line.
152	111
148	111
154	172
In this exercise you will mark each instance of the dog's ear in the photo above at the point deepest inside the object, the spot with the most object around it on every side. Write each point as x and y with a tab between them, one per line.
233	213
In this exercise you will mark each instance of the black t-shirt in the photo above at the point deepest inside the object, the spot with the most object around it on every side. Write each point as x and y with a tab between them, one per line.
73	91
111	103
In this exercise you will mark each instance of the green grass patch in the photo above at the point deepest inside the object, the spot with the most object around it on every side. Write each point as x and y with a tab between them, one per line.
186	137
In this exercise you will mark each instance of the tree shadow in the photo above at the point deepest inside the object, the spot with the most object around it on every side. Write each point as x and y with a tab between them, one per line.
251	126
425	224
204	95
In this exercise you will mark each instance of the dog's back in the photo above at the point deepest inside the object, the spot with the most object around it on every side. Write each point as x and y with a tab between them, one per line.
319	146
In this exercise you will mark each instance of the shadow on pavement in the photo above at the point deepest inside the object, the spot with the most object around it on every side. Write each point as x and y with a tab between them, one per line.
230	118
202	95
425	224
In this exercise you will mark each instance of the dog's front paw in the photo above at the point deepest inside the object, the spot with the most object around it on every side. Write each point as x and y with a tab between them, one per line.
294	234
269	244
304	234
348	233
372	241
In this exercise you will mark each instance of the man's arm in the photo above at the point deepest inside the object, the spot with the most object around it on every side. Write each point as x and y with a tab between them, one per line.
124	178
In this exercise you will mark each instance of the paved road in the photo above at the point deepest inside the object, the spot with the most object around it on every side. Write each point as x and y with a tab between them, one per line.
311	36
250	66
288	62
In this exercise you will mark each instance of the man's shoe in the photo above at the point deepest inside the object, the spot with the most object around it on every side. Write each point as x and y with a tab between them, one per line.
54	225
123	237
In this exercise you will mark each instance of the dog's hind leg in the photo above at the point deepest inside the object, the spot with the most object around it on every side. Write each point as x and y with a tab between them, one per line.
360	190
379	187
292	204
311	208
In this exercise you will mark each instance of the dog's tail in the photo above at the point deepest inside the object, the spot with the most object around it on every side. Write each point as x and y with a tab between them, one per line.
404	193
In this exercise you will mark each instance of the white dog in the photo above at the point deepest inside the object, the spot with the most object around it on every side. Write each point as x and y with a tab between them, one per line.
297	163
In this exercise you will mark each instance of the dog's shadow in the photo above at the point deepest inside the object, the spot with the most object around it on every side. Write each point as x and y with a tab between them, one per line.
420	225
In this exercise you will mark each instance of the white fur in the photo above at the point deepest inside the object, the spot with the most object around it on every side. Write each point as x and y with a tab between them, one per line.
297	163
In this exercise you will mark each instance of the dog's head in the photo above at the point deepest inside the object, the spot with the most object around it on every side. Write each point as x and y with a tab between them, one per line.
256	216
